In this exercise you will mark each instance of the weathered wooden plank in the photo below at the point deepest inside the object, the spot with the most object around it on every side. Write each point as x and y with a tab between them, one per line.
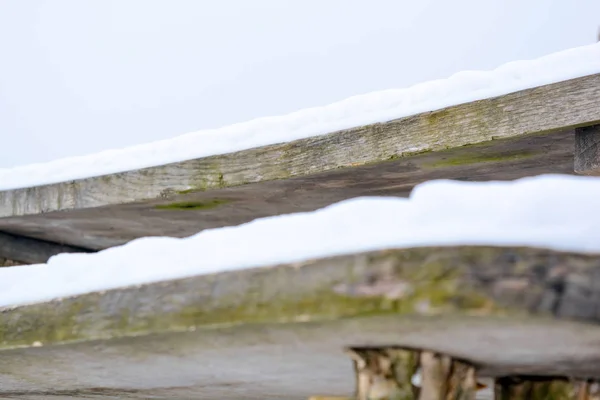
587	150
24	250
420	281
103	227
278	332
559	106
261	362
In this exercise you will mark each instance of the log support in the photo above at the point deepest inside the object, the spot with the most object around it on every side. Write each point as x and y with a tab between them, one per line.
392	373
538	388
403	374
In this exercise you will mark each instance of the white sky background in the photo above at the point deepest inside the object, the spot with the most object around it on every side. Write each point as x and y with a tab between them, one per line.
82	76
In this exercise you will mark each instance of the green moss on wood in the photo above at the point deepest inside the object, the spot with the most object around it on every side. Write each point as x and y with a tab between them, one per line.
424	281
70	324
193	205
189	191
467	159
434	286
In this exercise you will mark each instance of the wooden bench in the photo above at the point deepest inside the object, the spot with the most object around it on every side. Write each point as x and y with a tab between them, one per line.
523	320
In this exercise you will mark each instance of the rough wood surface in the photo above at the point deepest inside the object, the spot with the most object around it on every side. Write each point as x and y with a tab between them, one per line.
24	250
257	362
559	106
420	281
103	227
278	332
587	150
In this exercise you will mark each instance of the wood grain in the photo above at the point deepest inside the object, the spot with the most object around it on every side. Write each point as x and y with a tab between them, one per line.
102	227
587	150
484	281
279	331
559	106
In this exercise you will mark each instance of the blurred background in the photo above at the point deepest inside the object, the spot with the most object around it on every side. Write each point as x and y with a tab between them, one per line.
78	77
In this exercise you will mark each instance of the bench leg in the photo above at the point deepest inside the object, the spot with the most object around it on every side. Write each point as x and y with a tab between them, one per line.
401	374
516	388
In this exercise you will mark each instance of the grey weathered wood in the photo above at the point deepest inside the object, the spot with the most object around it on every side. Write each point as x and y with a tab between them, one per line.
521	134
587	150
558	106
278	332
103	227
420	281
23	250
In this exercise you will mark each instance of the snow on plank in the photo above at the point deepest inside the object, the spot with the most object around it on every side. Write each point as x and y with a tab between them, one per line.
523	133
536	212
484	273
464	87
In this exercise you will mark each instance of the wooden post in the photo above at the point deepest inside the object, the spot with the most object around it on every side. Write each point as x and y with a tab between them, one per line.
522	388
384	373
587	150
446	379
401	374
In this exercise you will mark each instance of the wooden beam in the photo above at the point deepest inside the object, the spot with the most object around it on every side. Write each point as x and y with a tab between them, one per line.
587	150
558	106
434	281
526	133
189	213
24	250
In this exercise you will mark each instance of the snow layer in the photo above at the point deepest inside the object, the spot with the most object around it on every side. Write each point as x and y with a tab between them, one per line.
551	211
355	111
